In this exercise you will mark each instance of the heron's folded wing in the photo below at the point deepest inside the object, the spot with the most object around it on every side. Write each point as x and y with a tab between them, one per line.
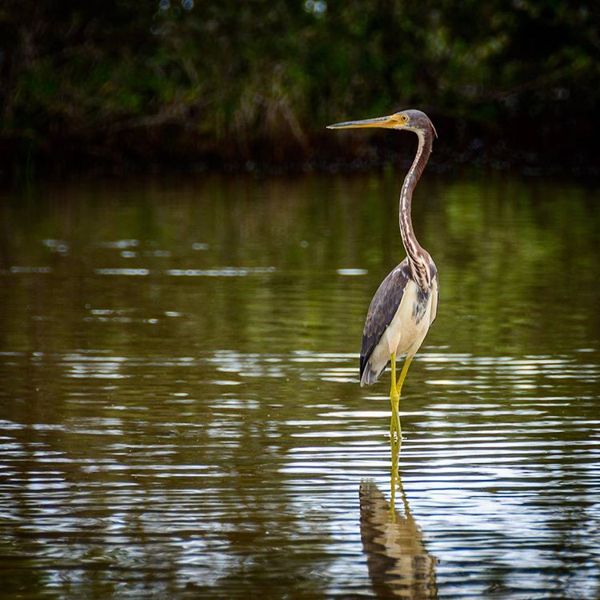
382	310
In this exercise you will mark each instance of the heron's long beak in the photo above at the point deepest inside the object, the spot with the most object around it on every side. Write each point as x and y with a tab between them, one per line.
387	122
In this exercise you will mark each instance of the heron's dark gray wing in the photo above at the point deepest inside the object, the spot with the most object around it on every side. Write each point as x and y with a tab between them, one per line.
382	309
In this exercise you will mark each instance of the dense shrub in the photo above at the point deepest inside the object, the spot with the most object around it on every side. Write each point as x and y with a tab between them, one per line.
113	80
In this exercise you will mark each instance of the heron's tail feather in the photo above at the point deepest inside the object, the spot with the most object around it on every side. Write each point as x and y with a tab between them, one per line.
370	376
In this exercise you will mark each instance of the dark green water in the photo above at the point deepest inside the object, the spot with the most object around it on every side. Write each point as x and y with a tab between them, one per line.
179	407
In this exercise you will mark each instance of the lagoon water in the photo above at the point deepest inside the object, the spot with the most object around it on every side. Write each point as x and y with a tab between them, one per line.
179	407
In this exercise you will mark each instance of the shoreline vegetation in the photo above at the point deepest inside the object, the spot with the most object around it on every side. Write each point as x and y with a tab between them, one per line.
122	86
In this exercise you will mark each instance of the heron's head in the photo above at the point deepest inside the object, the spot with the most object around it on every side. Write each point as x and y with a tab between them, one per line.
410	120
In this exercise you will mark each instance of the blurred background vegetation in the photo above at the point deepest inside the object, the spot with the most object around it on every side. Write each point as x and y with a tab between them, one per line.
115	84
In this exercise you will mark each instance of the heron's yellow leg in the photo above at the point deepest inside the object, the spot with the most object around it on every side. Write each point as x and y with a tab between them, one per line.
394	475
393	389
403	373
394	400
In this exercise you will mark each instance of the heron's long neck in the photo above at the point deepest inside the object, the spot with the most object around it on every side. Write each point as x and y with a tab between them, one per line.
413	249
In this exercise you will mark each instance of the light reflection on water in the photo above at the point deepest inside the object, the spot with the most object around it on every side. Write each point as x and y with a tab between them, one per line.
186	419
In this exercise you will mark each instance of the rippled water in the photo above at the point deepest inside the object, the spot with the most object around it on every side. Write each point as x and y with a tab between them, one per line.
180	414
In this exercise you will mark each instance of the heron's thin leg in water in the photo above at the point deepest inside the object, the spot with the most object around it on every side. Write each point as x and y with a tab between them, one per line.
395	425
394	475
403	373
393	389
394	399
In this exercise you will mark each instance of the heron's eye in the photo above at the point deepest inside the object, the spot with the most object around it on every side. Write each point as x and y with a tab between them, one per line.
403	119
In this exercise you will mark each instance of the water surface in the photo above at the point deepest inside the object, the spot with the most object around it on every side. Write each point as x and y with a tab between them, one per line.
179	407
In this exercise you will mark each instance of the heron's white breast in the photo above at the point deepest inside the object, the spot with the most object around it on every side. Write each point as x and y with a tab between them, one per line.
406	333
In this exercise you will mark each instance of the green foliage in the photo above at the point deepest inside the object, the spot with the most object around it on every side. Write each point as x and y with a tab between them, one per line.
261	78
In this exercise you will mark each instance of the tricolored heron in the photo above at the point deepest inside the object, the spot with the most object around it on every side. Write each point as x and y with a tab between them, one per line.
405	304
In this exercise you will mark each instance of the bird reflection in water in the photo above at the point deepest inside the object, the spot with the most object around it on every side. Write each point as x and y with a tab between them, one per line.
399	565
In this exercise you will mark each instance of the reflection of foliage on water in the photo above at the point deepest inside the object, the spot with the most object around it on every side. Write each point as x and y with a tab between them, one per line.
498	245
